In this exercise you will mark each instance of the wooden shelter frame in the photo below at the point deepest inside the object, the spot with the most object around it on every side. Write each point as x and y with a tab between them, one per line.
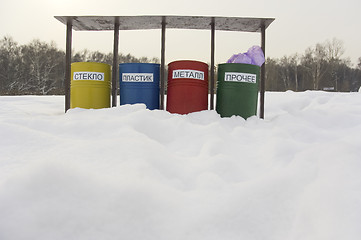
116	23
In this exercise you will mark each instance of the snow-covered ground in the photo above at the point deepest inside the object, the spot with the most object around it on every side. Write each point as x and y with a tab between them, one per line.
132	174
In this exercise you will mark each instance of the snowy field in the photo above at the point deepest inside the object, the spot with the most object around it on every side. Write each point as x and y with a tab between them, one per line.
128	173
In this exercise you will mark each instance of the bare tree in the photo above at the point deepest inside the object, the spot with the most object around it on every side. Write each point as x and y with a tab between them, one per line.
41	60
10	64
334	49
285	72
294	62
315	64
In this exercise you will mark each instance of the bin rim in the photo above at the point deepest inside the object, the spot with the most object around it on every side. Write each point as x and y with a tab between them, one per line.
156	64
189	61
100	63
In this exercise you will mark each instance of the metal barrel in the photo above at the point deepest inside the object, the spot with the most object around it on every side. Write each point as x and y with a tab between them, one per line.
237	89
187	89
90	85
139	83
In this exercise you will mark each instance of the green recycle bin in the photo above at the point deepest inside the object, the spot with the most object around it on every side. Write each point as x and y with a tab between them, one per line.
237	89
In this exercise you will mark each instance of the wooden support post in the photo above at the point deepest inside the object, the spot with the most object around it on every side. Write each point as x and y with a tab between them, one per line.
69	28
115	62
263	71
212	64
162	67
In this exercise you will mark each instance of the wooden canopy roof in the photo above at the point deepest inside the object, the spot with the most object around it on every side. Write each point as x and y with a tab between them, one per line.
99	23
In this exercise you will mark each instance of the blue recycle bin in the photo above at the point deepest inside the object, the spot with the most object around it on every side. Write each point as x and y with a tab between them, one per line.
139	83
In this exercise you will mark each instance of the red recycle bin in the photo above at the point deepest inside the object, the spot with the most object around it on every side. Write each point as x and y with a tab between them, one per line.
187	89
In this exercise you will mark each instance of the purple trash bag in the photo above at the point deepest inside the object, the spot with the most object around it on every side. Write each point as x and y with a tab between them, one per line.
232	58
256	54
240	58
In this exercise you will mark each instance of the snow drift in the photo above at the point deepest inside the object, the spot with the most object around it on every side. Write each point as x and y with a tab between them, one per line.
130	173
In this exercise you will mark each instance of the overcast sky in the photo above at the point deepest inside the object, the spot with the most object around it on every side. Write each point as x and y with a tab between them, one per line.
298	25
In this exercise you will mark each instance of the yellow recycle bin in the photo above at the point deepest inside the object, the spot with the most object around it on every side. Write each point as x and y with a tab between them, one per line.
90	85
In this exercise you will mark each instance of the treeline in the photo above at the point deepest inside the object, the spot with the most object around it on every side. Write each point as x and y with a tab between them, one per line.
320	68
38	68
